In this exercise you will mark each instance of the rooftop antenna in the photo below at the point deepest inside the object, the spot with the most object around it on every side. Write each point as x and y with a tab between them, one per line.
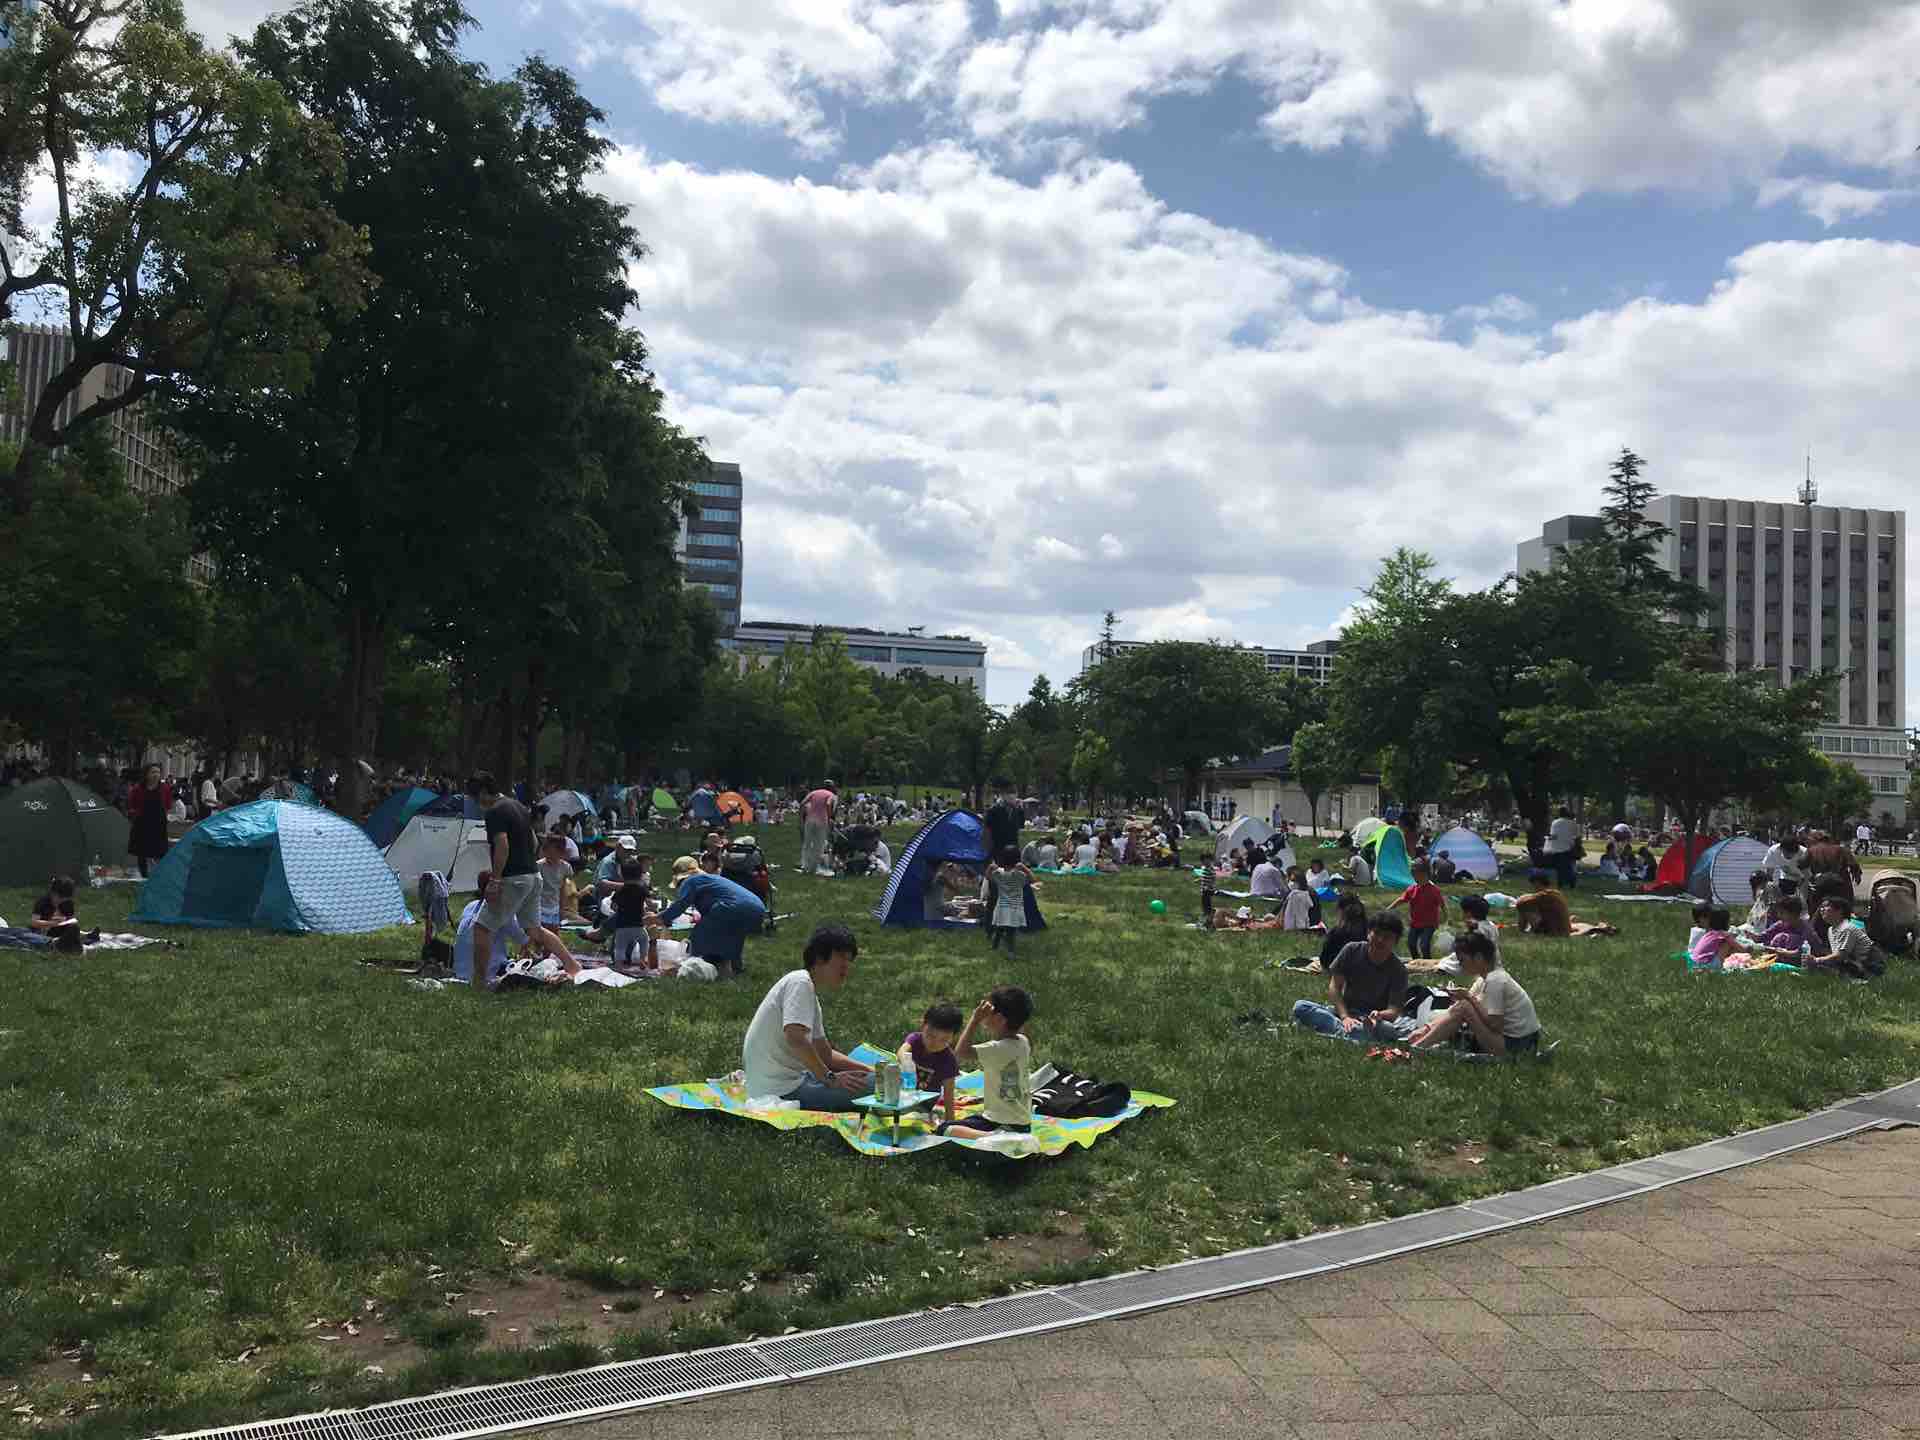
1809	492
916	629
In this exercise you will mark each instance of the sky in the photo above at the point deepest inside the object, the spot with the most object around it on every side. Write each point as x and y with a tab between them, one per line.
1017	311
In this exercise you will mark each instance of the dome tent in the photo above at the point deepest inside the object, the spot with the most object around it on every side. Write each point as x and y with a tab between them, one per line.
1471	855
951	835
664	803
1386	851
1723	873
391	815
453	845
1676	866
55	827
1247	827
274	865
1365	830
571	802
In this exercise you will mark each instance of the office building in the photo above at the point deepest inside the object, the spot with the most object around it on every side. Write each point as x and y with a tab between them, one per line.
709	545
1795	589
37	353
1313	663
957	658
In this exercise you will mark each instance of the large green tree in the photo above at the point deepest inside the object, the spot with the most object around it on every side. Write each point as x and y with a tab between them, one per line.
446	418
1833	795
98	626
193	241
1182	705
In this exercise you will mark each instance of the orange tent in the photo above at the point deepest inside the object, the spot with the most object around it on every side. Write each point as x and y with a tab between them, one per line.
734	808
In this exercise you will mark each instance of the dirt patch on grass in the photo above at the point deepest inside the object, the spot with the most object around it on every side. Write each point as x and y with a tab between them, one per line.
1463	1160
1064	1244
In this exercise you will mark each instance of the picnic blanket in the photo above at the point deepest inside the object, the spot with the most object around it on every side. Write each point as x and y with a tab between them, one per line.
1076	870
872	1135
1746	967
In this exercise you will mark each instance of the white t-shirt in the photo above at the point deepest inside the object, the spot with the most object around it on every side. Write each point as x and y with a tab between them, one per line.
1299	912
1500	994
1864	832
1359	871
1049	856
209	794
1782	865
1267	879
1004	1066
882	856
1562	836
1083	854
463	943
772	1067
554	874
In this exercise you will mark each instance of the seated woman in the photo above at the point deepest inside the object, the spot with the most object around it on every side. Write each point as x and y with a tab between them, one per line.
1495	1017
1106	862
54	917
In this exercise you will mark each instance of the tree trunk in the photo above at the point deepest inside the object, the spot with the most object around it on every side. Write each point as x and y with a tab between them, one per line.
361	685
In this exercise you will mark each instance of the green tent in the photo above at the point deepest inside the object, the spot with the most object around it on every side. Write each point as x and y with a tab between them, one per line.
664	804
1386	851
55	827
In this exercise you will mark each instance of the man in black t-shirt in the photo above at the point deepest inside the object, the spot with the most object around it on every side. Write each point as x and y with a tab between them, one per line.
1003	825
514	892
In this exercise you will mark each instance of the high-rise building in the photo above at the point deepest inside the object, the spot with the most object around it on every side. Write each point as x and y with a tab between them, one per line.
37	353
956	658
709	544
1313	663
1795	589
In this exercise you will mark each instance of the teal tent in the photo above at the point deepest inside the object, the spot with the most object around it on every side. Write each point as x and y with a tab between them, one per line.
274	865
55	827
1386	851
391	815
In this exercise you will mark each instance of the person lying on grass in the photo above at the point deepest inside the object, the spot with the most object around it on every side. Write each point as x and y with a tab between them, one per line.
1494	1017
1005	1059
785	1053
927	1054
1365	989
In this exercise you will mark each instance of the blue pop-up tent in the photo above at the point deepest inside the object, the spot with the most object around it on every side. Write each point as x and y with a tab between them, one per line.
1723	872
390	816
274	865
1470	854
953	835
1387	848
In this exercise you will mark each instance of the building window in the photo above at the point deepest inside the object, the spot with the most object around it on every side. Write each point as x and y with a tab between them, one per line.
720	517
903	656
710	562
729	543
872	654
717	490
725	591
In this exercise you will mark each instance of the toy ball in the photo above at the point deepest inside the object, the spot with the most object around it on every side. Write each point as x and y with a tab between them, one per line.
1158	907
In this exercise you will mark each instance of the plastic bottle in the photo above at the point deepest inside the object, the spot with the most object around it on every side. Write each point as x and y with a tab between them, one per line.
909	1077
1806	953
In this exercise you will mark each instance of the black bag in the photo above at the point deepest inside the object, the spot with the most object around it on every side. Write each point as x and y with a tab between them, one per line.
1078	1097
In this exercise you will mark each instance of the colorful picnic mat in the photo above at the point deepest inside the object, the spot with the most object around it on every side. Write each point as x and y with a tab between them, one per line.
873	1135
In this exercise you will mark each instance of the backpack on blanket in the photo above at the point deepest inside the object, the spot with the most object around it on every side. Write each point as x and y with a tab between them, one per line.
1069	1096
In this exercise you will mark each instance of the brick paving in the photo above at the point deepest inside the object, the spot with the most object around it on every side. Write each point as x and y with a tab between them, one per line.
1776	1300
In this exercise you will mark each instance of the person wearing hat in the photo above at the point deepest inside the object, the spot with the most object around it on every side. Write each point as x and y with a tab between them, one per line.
728	913
606	877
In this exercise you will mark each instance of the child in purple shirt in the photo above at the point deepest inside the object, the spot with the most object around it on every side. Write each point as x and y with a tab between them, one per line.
930	1051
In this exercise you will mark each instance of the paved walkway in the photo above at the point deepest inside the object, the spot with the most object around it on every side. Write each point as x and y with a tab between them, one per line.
1780	1299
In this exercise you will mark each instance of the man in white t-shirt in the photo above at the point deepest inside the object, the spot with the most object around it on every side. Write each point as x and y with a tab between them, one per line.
1863	838
1783	860
1268	878
1563	840
209	797
1006	1062
785	1053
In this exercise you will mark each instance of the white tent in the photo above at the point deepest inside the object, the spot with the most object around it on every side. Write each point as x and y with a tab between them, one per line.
567	802
1247	827
455	847
1366	827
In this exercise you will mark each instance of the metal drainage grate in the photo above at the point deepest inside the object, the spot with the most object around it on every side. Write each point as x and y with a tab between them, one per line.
609	1389
819	1351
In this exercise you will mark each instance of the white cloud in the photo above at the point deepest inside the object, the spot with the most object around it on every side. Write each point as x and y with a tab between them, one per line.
1556	99
1829	201
784	64
971	400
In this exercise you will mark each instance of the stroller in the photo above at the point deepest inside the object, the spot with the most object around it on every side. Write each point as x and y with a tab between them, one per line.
853	848
1891	917
742	863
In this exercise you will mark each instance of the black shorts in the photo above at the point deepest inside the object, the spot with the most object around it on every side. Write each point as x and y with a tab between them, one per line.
1516	1044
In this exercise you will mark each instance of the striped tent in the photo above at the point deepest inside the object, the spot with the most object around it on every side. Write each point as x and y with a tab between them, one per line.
951	835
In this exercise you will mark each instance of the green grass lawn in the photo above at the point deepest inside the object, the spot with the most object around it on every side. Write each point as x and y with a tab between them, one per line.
217	1156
